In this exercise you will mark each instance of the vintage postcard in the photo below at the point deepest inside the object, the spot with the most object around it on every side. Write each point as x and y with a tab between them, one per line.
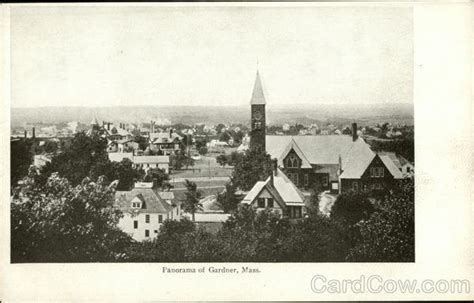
236	151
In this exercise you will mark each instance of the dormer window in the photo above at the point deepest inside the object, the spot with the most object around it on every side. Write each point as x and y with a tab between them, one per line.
136	203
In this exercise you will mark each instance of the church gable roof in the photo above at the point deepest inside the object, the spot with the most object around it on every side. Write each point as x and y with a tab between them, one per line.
316	149
258	96
294	146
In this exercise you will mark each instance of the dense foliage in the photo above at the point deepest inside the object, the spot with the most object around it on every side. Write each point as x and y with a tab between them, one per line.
250	168
21	157
59	222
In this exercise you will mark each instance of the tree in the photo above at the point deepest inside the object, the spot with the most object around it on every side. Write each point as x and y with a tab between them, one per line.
227	199
253	166
200	143
21	157
251	236
78	157
238	136
220	127
193	196
389	234
222	160
316	239
59	222
169	246
142	142
203	150
233	158
224	137
180	159
156	175
350	208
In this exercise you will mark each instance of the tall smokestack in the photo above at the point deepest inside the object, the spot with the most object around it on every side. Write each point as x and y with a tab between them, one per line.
171	133
354	131
33	135
26	134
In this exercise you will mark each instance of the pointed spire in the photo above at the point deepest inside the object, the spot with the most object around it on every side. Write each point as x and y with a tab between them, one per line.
257	94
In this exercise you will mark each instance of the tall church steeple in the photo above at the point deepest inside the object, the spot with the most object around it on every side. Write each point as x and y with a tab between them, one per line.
257	104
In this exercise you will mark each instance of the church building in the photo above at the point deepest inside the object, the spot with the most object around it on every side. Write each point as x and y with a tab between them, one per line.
337	163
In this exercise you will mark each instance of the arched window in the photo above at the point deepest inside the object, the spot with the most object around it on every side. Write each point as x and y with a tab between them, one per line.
292	162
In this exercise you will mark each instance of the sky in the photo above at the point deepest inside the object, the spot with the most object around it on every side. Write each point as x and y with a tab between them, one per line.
109	56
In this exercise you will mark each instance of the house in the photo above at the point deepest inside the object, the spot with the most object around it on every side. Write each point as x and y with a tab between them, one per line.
364	170
166	143
407	168
210	215
144	162
116	132
278	194
148	162
144	211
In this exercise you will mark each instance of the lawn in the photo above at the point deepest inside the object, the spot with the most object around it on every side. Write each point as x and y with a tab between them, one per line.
205	167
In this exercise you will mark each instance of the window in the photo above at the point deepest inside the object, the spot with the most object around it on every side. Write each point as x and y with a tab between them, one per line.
135	224
156	231
270	202
376	172
147	218
147	233
160	218
325	180
298	212
292	161
306	179
408	169
355	186
261	203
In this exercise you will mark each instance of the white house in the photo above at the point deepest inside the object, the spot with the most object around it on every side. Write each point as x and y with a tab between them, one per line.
147	162
144	211
144	162
279	194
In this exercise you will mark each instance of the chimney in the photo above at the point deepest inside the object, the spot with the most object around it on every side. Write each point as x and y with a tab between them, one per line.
108	125
171	133
274	170
354	131
26	134
33	135
340	165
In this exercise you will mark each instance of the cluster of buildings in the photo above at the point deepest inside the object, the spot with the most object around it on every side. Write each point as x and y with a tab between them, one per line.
121	144
332	163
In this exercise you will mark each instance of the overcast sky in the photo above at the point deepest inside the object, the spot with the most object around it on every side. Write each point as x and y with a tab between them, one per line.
208	56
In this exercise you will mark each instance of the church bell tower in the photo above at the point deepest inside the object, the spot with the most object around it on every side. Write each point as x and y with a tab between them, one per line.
257	103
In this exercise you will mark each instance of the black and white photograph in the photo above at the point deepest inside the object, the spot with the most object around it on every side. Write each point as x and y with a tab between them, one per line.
203	141
224	134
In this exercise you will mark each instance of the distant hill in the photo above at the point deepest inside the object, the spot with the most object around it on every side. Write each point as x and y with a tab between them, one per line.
304	114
